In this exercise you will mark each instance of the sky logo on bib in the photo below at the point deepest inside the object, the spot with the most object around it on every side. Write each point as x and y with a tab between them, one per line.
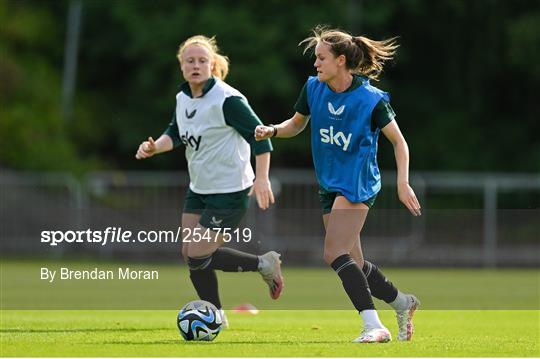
191	141
190	115
335	138
335	112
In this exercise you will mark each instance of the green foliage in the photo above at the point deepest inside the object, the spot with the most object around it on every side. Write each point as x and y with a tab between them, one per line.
463	84
34	135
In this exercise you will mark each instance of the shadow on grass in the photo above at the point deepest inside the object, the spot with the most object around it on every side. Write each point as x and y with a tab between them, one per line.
81	330
218	342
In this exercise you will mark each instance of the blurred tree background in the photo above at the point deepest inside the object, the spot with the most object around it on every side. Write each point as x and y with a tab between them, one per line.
464	83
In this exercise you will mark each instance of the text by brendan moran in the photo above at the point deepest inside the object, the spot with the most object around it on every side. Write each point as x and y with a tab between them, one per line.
126	273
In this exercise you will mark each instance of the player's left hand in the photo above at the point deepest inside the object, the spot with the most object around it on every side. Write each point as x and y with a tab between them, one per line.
263	192
408	198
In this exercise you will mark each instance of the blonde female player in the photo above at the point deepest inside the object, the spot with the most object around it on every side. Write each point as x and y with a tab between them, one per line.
347	114
215	123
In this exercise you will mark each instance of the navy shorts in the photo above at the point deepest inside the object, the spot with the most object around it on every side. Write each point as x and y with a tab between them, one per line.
327	200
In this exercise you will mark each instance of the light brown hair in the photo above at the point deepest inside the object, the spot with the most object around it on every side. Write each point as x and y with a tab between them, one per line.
363	56
221	62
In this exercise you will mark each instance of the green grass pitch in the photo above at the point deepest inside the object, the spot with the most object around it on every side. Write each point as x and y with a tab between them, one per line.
464	313
306	333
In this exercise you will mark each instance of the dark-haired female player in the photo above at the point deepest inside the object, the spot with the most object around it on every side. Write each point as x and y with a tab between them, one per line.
347	113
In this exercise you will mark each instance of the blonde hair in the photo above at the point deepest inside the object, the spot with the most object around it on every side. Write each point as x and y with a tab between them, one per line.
221	62
363	56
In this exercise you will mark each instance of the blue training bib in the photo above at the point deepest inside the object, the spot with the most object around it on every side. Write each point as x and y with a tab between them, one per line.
343	146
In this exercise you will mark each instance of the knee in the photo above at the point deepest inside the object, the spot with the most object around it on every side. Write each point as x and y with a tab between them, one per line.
331	254
199	248
327	256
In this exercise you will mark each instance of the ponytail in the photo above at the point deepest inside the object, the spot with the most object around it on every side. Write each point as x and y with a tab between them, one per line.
374	54
363	56
221	66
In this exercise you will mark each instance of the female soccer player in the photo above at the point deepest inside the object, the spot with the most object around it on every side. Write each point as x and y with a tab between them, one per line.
215	123
347	114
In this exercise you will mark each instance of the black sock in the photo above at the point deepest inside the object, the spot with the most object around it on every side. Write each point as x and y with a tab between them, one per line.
381	288
227	260
206	285
351	275
231	260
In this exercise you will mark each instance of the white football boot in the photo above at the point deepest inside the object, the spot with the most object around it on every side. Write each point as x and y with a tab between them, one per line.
404	318
224	320
270	270
374	335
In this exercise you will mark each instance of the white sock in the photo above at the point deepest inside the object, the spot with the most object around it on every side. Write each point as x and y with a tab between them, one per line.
371	319
401	302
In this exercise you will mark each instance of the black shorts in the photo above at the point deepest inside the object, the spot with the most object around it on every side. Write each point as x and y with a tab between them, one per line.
327	200
220	210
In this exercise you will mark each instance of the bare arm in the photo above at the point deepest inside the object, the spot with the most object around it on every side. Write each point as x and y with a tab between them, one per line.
149	148
289	128
401	151
261	186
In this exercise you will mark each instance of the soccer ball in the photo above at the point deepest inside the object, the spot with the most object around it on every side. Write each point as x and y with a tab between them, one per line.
199	320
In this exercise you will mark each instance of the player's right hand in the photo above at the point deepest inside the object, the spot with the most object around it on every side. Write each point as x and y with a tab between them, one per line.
146	149
263	132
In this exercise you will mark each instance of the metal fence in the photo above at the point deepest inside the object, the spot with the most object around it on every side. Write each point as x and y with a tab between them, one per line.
469	219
